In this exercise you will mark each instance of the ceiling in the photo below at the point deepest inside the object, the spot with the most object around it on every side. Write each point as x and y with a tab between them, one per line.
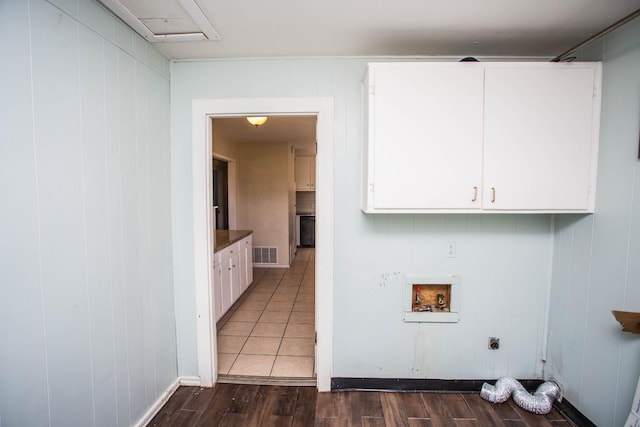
299	131
198	29
451	28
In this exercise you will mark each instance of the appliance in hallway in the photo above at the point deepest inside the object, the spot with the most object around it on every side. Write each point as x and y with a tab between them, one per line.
306	231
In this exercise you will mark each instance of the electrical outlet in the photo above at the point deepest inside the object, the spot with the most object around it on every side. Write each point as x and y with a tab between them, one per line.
451	250
494	343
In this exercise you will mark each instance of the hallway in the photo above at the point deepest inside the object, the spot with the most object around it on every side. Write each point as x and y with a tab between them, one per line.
269	333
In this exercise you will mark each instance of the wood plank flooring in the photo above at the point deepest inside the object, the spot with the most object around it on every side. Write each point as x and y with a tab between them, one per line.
268	405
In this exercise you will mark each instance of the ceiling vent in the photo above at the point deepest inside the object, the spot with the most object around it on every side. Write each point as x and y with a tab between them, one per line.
173	22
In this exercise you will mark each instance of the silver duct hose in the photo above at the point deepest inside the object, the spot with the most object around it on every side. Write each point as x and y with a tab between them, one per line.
540	402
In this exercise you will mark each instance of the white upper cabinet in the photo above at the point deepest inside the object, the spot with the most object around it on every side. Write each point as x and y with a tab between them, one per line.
425	135
481	137
305	172
539	137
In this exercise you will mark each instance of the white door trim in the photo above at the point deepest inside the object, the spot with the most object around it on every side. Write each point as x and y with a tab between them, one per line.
202	111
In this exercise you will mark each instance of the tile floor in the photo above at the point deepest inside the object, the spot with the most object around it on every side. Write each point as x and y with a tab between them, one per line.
270	331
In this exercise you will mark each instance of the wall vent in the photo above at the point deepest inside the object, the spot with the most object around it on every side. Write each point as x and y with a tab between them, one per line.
265	255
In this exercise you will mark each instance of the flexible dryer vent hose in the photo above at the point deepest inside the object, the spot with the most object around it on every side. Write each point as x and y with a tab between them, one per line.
540	402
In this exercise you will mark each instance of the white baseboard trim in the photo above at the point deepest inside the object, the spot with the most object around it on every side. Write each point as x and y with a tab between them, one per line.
189	381
158	404
164	398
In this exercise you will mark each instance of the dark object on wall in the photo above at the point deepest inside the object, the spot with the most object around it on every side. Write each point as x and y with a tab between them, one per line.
469	59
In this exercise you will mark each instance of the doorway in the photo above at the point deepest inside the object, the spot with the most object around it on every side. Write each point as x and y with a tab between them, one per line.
221	194
203	111
267	335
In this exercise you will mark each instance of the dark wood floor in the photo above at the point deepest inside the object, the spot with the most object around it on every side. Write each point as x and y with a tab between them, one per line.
262	405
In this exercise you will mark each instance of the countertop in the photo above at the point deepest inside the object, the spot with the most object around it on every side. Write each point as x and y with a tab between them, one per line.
226	238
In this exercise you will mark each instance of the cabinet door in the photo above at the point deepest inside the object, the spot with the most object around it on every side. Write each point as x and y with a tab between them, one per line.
539	137
246	266
312	173
305	173
249	257
217	291
242	267
234	264
225	284
425	136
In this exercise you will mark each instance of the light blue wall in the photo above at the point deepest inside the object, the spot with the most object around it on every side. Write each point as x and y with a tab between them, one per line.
504	260
596	265
87	326
86	314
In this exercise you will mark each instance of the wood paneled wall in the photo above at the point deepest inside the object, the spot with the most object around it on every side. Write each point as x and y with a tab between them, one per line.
86	305
503	259
596	265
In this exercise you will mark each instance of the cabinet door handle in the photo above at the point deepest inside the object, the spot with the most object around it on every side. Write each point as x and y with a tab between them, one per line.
475	194
493	194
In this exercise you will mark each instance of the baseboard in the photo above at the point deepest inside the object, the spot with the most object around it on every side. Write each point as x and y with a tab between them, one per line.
164	398
449	386
419	384
571	412
189	381
158	404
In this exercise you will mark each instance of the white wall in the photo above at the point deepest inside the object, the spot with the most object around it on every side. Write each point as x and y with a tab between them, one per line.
596	265
86	309
263	194
503	259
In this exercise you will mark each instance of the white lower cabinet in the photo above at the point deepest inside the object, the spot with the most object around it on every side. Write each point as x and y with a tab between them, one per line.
231	277
234	272
245	263
217	290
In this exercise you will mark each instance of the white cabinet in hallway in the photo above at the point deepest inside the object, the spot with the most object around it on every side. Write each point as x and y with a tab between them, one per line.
245	264
227	279
305	173
233	273
217	289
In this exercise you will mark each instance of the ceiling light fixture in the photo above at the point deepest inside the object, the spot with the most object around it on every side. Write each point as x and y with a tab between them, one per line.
256	121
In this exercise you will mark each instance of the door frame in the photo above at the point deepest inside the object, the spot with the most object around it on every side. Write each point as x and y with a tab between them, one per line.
231	187
201	146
